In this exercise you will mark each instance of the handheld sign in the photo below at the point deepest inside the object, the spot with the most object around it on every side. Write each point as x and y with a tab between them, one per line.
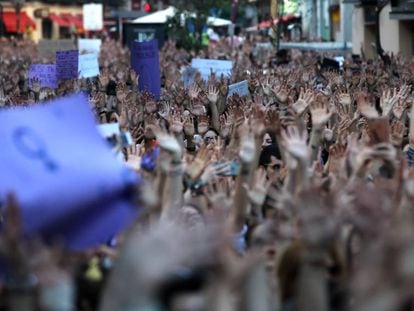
189	76
46	74
89	46
219	67
93	16
66	178
145	62
240	88
88	66
67	63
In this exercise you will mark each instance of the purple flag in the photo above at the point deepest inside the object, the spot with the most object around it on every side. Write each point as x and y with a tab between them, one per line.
46	74
65	176
145	62
67	64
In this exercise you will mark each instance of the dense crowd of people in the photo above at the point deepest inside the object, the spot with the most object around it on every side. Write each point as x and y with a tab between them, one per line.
296	197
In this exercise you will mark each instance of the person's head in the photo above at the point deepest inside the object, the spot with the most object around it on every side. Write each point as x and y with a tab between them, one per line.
210	136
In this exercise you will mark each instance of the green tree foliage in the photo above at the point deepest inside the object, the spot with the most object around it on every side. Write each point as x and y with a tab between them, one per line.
292	6
195	12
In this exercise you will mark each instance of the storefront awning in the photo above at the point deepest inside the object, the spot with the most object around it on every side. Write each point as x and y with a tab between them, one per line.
77	22
10	18
58	20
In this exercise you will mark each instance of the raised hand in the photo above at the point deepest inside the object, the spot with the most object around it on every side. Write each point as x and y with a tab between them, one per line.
303	102
248	146
196	167
194	91
295	142
218	196
212	94
281	93
165	110
214	170
344	98
336	158
257	193
267	87
168	143
388	100
365	107
189	129
176	123
397	133
226	125
320	113
399	108
133	77
404	92
35	85
134	154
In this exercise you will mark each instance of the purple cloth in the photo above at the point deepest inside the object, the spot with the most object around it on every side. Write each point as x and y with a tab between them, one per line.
67	180
145	62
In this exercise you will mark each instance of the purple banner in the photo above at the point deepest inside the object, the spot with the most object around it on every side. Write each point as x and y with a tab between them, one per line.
67	64
68	182
46	74
145	62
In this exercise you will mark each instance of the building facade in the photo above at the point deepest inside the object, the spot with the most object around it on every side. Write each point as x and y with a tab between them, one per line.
396	24
37	20
327	20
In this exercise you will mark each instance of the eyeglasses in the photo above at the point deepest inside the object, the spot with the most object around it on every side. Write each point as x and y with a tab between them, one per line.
210	138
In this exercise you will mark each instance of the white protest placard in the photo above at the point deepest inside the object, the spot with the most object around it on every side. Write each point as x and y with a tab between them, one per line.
109	129
340	60
240	88
88	66
89	46
219	67
188	76
93	16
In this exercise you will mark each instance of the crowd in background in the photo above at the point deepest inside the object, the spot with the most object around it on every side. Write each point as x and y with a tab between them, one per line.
296	197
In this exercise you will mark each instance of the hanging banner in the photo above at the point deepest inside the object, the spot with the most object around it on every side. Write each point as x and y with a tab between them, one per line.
93	17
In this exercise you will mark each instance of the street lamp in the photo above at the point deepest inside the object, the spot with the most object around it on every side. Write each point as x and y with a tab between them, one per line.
18	4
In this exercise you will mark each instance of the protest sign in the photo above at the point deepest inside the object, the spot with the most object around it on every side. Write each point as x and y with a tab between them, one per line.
88	66
93	16
48	48
46	74
89	46
109	129
145	62
240	88
219	67
67	63
189	76
67	180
